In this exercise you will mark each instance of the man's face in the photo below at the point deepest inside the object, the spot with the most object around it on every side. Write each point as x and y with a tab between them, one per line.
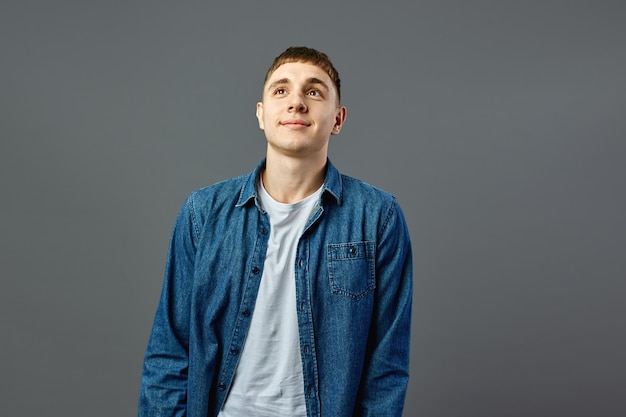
299	111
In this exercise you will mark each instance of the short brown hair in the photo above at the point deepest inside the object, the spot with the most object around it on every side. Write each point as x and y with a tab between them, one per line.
307	55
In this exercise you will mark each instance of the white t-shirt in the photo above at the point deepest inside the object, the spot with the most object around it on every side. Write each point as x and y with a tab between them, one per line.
268	380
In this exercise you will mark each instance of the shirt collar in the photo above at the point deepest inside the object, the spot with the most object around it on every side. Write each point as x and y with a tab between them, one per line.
332	184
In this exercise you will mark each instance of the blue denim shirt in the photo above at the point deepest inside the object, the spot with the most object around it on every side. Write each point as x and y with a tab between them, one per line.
353	294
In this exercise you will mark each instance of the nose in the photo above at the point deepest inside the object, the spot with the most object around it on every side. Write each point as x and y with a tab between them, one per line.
297	104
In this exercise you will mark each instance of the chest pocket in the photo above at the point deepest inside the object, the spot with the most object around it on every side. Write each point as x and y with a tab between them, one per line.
351	268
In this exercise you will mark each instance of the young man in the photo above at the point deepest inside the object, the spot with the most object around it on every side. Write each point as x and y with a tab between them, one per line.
287	291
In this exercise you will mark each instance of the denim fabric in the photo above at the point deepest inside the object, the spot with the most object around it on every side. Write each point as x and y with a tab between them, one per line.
353	293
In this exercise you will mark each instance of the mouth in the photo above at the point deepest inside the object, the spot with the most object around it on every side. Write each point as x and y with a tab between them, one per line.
295	123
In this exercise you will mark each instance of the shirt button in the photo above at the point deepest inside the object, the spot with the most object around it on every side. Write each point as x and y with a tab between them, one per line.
234	351
263	231
301	263
246	313
352	250
255	270
221	387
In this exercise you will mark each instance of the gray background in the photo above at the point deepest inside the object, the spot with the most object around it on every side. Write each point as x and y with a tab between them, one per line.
498	125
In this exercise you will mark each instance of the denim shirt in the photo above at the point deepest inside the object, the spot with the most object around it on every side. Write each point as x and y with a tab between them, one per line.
353	295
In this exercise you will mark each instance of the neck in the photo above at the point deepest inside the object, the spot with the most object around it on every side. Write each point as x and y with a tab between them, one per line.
289	180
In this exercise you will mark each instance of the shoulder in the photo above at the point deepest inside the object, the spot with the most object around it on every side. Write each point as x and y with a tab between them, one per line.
356	190
362	198
216	197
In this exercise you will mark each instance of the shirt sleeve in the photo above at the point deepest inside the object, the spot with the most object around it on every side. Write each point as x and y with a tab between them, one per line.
164	381
386	370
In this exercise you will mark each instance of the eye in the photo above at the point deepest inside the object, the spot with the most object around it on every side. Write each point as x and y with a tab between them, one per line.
314	93
279	91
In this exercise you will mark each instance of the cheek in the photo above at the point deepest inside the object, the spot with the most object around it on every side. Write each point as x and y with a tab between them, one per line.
330	122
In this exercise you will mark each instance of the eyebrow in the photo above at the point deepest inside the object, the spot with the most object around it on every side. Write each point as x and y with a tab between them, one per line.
312	80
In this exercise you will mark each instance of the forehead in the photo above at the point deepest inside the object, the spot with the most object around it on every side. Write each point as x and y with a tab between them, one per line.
299	72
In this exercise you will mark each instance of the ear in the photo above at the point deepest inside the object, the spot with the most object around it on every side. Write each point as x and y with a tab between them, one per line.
259	115
340	118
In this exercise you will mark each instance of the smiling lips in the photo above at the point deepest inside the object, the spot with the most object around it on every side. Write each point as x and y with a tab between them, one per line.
295	123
